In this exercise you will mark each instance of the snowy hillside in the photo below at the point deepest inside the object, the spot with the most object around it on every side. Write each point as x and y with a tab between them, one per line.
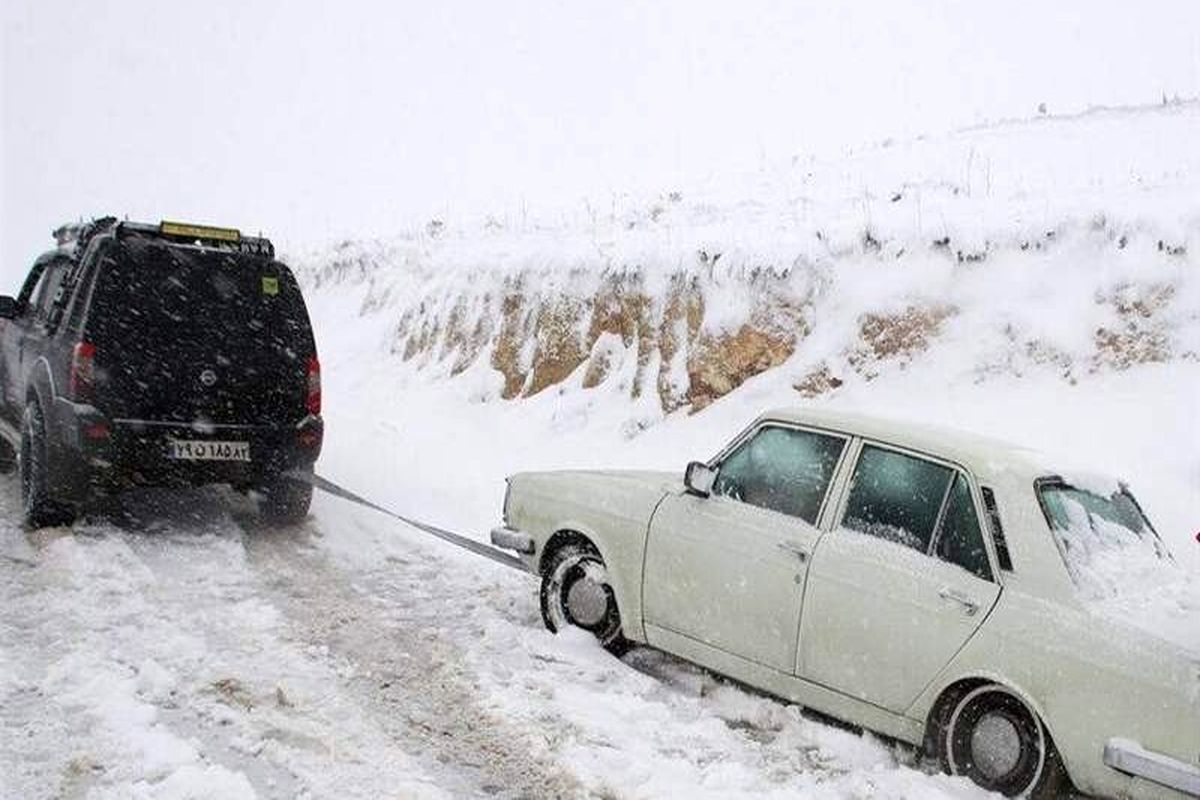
1065	245
1035	280
1047	265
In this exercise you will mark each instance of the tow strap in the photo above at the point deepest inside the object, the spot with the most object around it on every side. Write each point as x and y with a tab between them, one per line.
476	547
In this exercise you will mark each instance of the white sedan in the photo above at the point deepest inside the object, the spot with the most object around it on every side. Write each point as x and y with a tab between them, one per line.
929	585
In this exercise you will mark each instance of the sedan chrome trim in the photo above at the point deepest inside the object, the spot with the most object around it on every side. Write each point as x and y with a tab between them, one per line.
511	539
1131	758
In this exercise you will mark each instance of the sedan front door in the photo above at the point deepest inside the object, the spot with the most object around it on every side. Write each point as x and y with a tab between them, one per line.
729	570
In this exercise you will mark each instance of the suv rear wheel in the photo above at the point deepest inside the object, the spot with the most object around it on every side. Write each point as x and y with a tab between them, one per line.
38	507
286	501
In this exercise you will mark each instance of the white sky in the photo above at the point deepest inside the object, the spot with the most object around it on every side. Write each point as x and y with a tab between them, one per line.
316	120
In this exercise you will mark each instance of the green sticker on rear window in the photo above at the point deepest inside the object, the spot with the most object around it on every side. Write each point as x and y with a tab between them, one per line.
270	285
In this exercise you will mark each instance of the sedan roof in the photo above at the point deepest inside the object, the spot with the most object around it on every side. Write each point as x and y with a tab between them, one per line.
983	455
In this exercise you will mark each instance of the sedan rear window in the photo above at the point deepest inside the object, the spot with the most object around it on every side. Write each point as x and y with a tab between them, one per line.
1104	537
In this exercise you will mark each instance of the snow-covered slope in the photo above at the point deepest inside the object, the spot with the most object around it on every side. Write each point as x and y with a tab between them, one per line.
1064	245
1035	279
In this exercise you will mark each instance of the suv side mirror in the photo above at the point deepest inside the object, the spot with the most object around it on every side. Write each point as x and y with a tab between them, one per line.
8	307
699	478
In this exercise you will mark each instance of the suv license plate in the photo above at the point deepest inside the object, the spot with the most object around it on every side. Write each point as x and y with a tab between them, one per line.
207	450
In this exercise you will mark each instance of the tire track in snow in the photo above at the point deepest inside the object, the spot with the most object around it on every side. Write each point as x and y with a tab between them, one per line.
389	628
648	725
140	660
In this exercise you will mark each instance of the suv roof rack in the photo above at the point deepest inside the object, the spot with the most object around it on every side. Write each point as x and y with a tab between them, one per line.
203	235
74	236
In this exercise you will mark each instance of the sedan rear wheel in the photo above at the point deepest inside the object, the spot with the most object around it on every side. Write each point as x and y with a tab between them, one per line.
998	742
576	592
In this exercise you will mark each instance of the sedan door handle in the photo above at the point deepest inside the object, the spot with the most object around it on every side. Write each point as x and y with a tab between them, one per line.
800	551
955	596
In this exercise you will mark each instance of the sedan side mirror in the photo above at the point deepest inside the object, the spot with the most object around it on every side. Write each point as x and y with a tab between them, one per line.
8	307
699	478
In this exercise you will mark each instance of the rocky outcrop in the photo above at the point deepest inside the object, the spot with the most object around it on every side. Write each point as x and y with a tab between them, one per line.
1086	299
663	342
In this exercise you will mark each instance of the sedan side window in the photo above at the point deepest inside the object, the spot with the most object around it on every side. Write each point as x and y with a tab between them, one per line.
960	539
782	469
896	497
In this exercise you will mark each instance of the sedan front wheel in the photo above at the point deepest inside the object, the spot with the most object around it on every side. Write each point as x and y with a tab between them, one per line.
576	591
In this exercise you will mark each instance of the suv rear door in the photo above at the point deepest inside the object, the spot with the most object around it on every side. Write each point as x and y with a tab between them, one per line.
24	336
191	335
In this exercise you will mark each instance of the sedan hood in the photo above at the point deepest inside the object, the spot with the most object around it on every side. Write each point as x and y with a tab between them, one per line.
667	481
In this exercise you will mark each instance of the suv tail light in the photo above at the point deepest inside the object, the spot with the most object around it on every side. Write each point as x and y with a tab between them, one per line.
312	400
83	372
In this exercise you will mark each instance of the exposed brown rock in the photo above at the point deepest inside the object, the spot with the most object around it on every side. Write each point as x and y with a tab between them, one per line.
599	367
559	348
467	333
621	308
1140	337
506	353
683	313
817	382
719	364
896	336
1131	345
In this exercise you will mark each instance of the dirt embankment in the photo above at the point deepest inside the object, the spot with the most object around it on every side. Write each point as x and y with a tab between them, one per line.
692	335
661	340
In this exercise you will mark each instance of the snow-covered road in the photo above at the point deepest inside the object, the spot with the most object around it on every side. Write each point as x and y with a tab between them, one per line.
175	648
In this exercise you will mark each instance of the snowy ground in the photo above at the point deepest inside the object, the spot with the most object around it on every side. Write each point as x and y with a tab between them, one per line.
177	649
172	647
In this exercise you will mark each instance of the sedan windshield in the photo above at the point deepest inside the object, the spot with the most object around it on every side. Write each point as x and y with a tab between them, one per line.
1109	545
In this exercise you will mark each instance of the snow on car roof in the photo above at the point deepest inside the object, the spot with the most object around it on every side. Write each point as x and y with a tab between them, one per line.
983	455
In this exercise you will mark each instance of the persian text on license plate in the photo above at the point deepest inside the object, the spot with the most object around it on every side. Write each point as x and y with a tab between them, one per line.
207	450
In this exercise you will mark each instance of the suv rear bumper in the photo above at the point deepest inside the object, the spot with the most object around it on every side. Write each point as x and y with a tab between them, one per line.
97	456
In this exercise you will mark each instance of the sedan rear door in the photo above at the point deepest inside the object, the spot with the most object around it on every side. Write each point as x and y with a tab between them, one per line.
901	584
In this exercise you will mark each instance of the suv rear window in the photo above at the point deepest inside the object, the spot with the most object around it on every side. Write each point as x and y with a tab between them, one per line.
221	300
162	315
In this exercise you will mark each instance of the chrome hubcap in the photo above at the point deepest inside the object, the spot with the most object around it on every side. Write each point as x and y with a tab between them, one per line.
587	601
995	746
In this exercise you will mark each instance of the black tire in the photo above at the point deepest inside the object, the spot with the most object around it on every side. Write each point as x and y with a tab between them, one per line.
996	740
285	501
576	592
38	507
8	458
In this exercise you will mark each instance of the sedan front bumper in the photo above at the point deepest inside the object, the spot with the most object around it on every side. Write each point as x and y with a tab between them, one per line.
511	539
1131	758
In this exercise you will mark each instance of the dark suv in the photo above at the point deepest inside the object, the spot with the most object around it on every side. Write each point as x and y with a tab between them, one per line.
158	355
